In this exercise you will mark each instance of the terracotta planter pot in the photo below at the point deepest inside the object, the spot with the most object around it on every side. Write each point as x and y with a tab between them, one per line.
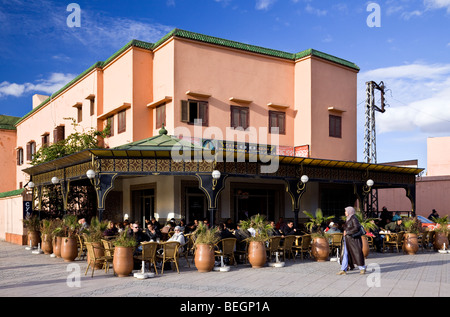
69	249
57	242
204	258
123	262
46	244
439	239
411	243
320	249
365	246
99	252
34	237
257	256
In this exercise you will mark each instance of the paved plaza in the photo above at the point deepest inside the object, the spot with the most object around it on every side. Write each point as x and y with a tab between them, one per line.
426	274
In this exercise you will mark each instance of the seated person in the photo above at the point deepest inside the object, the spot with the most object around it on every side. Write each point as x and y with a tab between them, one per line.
152	233
224	232
290	230
333	228
395	226
274	231
178	236
139	236
111	231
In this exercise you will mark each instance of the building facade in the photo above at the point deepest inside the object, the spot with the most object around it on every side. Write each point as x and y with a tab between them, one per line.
198	88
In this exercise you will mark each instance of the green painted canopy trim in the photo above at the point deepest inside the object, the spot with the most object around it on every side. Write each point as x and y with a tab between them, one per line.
159	142
201	38
16	192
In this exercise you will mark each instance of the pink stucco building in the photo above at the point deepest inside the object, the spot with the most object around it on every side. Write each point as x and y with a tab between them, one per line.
432	187
238	91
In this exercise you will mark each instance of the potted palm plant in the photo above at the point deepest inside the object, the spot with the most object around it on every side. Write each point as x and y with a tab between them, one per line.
46	236
204	241
257	243
124	246
412	228
69	246
94	234
320	247
368	224
441	233
32	225
57	233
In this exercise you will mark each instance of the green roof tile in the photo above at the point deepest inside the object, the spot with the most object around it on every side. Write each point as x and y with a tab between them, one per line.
8	122
12	193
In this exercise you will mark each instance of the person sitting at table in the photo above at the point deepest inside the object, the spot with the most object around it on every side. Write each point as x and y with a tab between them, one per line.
274	231
230	224
395	226
183	225
290	230
152	233
155	223
333	228
191	227
111	231
139	236
224	232
178	236
241	234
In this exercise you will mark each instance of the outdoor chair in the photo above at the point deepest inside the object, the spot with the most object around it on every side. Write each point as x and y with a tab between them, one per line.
304	246
242	249
82	251
105	260
226	248
287	247
395	240
184	252
148	254
169	254
274	245
335	241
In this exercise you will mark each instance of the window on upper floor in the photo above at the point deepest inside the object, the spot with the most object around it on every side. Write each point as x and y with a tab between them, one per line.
277	119
109	123
79	112
192	110
92	106
59	134
239	117
160	116
31	150
335	126
122	121
45	139
19	156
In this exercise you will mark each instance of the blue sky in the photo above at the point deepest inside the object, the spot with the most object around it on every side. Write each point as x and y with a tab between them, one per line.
409	50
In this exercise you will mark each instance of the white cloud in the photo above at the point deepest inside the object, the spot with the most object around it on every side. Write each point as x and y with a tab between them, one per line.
264	4
438	4
310	9
418	97
47	86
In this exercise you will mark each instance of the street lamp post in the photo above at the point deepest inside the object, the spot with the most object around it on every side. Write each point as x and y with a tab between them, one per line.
367	189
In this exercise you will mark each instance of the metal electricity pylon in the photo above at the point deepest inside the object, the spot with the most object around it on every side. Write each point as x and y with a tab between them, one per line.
370	144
